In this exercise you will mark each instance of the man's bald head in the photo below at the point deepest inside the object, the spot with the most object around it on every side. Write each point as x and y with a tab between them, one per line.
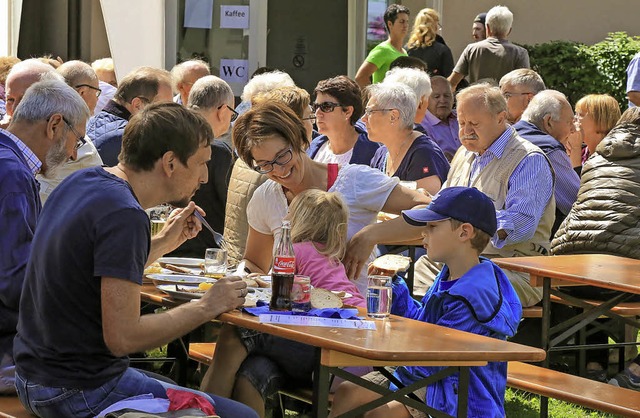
185	74
82	77
21	77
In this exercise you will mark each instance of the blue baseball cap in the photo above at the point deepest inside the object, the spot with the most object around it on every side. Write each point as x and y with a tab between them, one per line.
464	204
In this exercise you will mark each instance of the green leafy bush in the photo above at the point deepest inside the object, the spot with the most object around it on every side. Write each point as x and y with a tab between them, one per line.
577	69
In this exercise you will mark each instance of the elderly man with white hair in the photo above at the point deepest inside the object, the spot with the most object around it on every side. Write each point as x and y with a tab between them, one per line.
548	122
212	98
46	130
21	77
518	88
184	76
82	77
441	121
494	56
263	83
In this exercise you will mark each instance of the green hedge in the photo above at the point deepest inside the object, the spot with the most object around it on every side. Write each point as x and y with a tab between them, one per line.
577	69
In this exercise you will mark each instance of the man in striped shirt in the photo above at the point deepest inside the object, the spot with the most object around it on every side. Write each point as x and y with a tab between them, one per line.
547	122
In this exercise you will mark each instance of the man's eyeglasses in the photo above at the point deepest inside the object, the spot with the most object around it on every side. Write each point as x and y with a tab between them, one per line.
235	114
281	159
80	141
507	95
326	107
368	111
98	91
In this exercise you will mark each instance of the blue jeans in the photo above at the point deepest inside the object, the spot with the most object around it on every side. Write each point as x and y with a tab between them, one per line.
51	402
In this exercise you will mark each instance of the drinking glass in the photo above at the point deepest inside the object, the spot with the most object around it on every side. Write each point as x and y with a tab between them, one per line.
215	263
379	295
301	293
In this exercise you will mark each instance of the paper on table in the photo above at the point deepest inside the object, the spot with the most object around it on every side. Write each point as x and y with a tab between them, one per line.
314	321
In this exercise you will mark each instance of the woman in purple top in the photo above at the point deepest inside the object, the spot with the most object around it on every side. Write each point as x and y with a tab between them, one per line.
406	154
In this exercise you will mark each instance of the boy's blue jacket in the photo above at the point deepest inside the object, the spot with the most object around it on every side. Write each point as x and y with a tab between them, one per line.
481	302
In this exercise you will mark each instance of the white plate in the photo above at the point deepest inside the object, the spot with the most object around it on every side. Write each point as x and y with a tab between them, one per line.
180	291
185	292
182	261
179	279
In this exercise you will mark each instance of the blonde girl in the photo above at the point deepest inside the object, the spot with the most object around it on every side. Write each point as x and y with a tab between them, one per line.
319	235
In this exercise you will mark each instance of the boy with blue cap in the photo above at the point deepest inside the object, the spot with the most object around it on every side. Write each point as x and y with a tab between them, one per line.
470	294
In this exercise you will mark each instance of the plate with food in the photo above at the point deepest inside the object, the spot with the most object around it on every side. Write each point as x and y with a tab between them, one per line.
155	268
182	261
181	279
190	291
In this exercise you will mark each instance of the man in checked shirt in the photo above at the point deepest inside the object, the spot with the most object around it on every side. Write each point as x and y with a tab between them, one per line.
513	172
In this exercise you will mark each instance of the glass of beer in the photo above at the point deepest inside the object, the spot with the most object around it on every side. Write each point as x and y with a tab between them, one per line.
215	263
379	294
157	226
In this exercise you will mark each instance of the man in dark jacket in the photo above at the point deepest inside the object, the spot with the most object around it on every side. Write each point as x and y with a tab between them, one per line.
44	133
137	89
212	98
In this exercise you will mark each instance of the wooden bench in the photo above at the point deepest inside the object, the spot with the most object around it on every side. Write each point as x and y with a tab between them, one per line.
573	389
622	309
202	352
10	407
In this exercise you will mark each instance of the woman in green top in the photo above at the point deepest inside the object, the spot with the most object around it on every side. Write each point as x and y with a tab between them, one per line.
396	21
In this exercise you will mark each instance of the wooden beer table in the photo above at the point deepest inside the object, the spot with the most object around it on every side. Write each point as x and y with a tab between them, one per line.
397	341
599	270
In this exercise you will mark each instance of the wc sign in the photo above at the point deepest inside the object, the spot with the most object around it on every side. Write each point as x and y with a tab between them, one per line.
234	71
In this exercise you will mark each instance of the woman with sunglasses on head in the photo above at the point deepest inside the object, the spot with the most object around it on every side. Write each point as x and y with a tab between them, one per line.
271	139
337	108
407	154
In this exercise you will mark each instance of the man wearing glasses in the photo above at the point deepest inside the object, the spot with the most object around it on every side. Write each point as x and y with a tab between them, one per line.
518	88
45	131
136	90
84	80
212	98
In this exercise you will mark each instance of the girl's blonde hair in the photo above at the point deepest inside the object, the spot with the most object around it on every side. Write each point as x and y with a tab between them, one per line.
320	217
425	29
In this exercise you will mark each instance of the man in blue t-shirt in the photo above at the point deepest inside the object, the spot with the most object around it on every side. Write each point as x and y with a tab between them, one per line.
80	308
43	135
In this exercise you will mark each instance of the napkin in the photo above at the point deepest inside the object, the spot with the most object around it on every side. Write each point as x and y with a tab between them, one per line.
342	313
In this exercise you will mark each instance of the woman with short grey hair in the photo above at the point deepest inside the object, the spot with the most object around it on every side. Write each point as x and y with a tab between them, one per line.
406	154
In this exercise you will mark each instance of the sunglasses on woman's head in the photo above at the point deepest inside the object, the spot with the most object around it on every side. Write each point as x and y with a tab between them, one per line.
326	107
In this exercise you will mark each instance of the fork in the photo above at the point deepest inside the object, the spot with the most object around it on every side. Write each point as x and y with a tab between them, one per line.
217	237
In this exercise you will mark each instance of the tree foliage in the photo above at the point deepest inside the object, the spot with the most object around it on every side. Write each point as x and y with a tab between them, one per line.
577	69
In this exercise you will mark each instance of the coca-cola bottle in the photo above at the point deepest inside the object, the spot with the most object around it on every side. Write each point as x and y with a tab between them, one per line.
284	266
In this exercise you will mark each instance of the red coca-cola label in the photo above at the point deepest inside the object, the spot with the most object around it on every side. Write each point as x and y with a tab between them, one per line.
284	265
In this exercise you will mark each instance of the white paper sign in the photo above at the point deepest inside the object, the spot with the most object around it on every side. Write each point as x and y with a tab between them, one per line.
234	17
314	321
234	71
198	14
